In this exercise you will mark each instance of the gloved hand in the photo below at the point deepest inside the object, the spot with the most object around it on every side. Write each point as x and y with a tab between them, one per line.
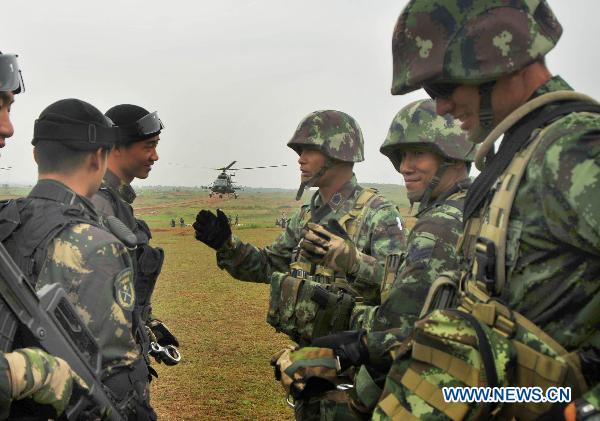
162	333
213	230
348	346
581	410
306	372
46	379
330	247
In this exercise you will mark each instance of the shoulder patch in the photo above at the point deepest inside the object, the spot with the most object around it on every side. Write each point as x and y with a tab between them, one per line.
123	289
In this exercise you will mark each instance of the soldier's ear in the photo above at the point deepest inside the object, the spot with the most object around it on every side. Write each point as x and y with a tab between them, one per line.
97	159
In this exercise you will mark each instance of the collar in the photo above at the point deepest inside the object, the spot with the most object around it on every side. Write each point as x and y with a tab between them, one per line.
124	190
56	191
555	83
462	185
339	197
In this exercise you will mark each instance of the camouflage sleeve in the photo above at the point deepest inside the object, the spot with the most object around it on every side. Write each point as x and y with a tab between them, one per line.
570	176
249	263
385	236
5	388
431	250
95	270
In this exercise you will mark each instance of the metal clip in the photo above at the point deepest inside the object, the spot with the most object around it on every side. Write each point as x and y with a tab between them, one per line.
166	354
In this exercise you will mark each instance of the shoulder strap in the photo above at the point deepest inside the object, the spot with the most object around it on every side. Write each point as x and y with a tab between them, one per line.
484	238
354	219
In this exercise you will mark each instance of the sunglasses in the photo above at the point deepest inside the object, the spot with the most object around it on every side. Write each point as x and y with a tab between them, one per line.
440	90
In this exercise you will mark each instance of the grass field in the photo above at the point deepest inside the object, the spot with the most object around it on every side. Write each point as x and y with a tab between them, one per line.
221	323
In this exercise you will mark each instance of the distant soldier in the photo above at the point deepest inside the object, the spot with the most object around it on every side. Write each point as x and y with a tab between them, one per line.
181	222
236	220
55	235
133	157
172	223
433	155
310	300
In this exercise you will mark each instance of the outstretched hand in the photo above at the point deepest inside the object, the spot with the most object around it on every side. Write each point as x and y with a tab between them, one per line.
213	230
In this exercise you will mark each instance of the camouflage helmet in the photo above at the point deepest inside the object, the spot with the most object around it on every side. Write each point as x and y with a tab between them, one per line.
469	42
334	133
417	124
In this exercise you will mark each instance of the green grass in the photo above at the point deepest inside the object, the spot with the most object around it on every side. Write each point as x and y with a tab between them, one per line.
226	343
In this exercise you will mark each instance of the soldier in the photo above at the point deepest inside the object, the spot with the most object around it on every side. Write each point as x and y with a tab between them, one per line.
172	221
433	155
133	157
528	304
56	236
54	382
181	222
310	300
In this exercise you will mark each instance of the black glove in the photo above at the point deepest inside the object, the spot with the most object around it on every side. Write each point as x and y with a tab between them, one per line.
348	346
214	231
162	333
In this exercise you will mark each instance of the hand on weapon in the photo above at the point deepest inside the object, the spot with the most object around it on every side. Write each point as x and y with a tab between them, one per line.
331	247
213	230
162	333
305	372
46	379
348	346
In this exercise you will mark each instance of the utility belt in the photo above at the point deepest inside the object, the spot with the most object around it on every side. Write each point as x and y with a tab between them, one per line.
308	304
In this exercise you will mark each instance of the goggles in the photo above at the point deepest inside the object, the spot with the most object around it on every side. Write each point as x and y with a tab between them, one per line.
440	90
148	125
11	79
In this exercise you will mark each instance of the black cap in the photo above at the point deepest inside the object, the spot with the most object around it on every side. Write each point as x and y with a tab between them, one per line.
135	123
76	124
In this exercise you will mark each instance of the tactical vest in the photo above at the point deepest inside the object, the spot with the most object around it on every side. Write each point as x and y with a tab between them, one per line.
27	228
312	300
148	263
504	337
148	260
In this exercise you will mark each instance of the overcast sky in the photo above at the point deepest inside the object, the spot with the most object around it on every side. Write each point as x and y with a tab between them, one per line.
231	79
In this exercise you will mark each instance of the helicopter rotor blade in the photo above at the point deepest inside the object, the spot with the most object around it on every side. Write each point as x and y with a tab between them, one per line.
258	167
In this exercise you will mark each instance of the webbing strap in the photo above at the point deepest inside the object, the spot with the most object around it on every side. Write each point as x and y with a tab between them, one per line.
357	213
454	366
433	395
390	405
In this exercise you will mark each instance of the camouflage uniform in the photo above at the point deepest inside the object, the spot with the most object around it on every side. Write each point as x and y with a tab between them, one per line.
431	249
378	227
380	236
95	270
115	198
552	266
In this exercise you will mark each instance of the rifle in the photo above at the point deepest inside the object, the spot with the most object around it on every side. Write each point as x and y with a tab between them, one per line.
51	319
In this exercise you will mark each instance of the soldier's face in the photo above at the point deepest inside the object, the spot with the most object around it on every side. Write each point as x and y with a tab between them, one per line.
136	160
418	166
311	161
463	105
6	127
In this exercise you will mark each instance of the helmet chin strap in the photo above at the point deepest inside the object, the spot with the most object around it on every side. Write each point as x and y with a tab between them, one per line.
425	198
313	180
486	114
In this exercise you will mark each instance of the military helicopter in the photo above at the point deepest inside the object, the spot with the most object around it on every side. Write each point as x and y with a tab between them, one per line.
224	184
